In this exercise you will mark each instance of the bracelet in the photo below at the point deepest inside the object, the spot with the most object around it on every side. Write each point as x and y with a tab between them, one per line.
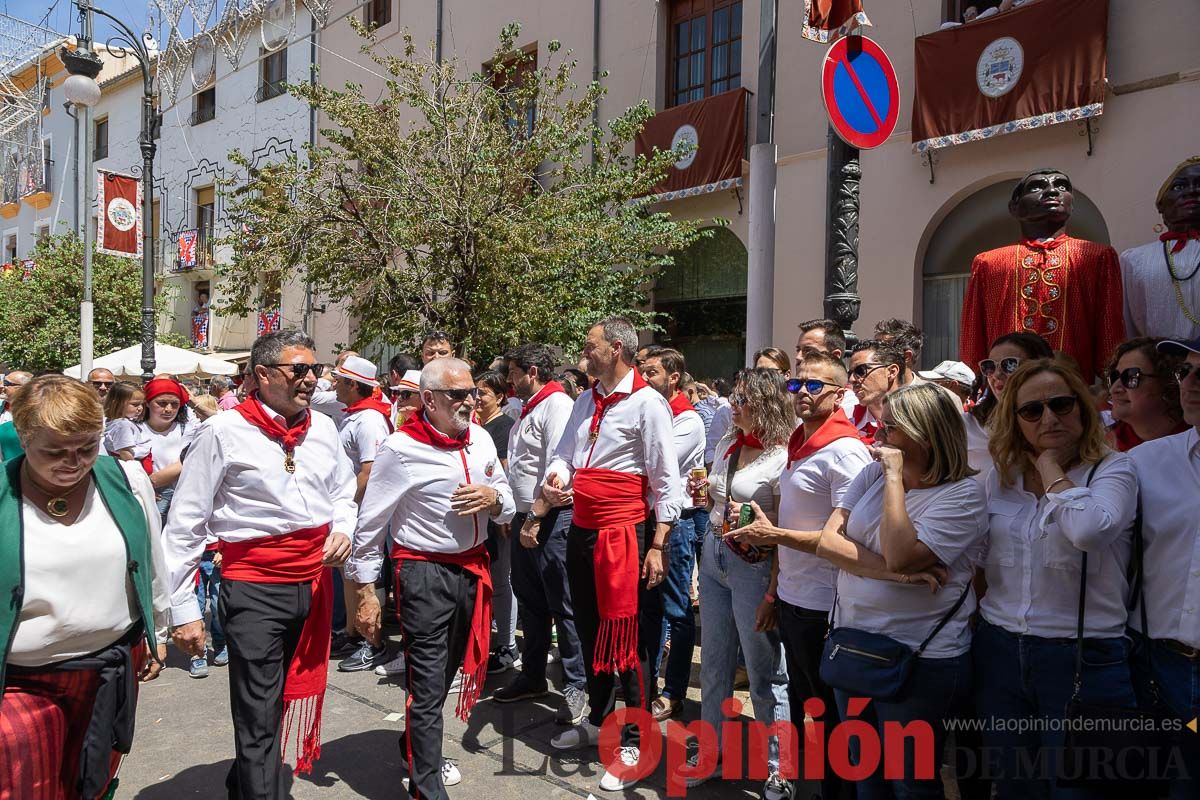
1054	483
770	596
662	548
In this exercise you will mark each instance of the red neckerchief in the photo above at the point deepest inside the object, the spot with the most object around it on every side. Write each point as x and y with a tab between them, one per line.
257	415
746	440
1049	244
680	403
418	427
372	402
836	426
553	387
1180	238
604	403
1124	438
866	430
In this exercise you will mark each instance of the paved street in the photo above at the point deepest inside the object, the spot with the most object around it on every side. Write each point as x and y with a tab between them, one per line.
184	744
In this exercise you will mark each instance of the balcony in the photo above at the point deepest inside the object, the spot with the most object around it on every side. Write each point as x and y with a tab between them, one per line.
193	251
39	195
268	90
202	115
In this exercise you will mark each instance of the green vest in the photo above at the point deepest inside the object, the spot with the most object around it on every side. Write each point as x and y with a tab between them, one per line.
10	443
114	491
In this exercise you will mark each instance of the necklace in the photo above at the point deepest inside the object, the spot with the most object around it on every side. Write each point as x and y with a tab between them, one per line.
57	506
1175	281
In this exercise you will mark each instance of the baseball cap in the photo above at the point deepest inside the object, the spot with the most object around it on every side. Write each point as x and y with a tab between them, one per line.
356	368
1179	347
950	370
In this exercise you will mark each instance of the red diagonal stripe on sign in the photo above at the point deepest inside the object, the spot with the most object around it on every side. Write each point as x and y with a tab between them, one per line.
862	90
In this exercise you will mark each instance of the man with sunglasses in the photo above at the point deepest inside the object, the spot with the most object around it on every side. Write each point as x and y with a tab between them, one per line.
101	380
1168	471
435	485
271	482
1162	288
11	381
1064	289
876	368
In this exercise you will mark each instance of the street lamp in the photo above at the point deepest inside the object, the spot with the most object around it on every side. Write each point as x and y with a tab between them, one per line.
83	85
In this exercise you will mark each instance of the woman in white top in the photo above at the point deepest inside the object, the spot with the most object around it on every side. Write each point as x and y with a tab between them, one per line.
80	557
734	608
1057	498
124	408
1006	355
170	431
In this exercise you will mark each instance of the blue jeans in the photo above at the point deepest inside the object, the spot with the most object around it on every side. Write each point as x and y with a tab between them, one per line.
208	590
1178	682
731	591
504	603
937	691
1031	678
677	602
162	500
339	602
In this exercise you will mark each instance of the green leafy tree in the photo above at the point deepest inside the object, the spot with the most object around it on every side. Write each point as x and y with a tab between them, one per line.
486	205
39	317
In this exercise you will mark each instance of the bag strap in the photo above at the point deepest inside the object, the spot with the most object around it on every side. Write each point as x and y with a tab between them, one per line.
1082	605
941	624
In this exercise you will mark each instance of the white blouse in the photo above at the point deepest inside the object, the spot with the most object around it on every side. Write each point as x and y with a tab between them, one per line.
121	434
757	481
78	596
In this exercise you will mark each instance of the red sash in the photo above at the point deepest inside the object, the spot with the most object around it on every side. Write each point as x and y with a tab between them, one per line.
614	503
553	387
601	404
475	660
295	558
257	415
836	426
375	403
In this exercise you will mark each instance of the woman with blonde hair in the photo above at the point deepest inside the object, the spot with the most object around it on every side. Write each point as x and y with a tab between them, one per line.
1059	502
80	555
773	358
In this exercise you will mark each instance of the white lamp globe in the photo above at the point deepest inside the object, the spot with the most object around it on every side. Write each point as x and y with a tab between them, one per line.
82	90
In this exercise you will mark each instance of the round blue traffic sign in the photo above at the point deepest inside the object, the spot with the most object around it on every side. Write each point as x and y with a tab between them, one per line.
860	90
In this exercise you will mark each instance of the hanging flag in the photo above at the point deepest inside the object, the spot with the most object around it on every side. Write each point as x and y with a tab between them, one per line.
119	198
187	248
716	128
200	327
27	267
827	20
269	320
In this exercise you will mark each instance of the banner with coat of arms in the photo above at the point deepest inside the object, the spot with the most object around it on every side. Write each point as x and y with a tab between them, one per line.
1036	65
119	200
187	248
716	127
269	320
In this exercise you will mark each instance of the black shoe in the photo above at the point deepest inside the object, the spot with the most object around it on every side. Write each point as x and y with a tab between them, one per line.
343	644
364	658
520	689
503	660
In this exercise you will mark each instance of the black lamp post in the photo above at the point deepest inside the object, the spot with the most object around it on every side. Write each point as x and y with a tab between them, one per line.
84	66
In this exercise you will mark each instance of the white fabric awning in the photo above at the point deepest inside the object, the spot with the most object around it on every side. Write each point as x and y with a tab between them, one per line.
172	360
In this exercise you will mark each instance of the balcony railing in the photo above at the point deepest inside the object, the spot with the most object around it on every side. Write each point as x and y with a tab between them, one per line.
203	257
268	90
202	115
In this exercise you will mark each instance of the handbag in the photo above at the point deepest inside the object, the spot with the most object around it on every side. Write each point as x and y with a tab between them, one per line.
750	553
866	664
1100	736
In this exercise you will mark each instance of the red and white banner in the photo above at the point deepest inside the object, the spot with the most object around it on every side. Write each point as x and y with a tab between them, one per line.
119	199
187	248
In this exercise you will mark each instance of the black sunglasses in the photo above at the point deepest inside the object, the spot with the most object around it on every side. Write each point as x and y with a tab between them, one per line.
97	384
738	399
811	385
459	395
863	370
300	370
1130	377
1183	370
1007	365
1034	410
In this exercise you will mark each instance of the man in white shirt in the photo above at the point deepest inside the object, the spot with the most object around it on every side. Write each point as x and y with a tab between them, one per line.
435	484
721	420
1160	281
1168	471
324	398
875	369
539	548
617	461
825	336
271	481
11	381
663	368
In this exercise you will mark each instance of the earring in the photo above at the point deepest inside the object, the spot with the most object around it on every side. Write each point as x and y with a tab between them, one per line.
1159	227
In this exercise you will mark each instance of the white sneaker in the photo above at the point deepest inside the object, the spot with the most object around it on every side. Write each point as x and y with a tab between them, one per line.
585	734
629	757
450	774
391	668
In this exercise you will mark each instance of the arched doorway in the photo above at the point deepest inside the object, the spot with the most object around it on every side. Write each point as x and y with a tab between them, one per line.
980	222
703	295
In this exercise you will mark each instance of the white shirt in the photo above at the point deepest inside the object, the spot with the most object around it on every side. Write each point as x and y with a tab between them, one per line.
78	596
808	493
121	434
234	485
1168	470
687	429
951	520
757	481
325	400
1151	306
408	496
531	445
167	447
5	415
362	433
1037	545
978	455
513	406
721	422
636	437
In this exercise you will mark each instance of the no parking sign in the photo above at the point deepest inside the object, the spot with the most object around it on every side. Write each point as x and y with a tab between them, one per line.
860	90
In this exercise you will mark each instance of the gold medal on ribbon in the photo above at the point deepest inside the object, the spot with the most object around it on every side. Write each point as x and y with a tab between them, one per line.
288	463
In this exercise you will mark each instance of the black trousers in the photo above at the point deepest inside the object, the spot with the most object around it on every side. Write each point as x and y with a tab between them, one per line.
262	624
435	603
638	685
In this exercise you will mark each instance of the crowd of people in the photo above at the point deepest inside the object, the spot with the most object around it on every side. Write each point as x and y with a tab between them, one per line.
1007	542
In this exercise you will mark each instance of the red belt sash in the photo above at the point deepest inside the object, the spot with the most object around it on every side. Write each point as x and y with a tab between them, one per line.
295	558
614	504
475	660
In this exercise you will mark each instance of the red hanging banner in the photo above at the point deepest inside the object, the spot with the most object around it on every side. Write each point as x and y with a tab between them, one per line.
829	20
119	200
716	126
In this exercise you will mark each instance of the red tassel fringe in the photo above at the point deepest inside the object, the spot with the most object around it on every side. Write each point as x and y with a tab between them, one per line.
616	645
472	687
303	719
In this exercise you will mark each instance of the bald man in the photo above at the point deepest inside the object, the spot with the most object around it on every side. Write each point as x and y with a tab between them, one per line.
11	381
101	380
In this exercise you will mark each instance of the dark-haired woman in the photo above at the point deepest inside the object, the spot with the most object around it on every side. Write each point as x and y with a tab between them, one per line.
1144	394
1005	355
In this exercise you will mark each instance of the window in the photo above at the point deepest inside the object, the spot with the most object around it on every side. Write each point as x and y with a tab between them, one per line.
273	74
47	165
43	231
521	121
377	13
706	49
205	218
206	106
955	9
10	248
101	139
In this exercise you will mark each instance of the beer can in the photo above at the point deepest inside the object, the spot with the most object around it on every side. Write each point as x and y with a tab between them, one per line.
746	516
700	493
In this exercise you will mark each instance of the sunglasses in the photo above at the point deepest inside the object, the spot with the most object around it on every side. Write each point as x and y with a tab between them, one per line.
738	399
1034	410
459	395
1130	377
1007	365
10	384
863	370
884	428
1181	372
300	370
402	394
98	384
812	385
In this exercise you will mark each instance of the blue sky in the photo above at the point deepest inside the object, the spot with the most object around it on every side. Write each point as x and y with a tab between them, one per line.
63	17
